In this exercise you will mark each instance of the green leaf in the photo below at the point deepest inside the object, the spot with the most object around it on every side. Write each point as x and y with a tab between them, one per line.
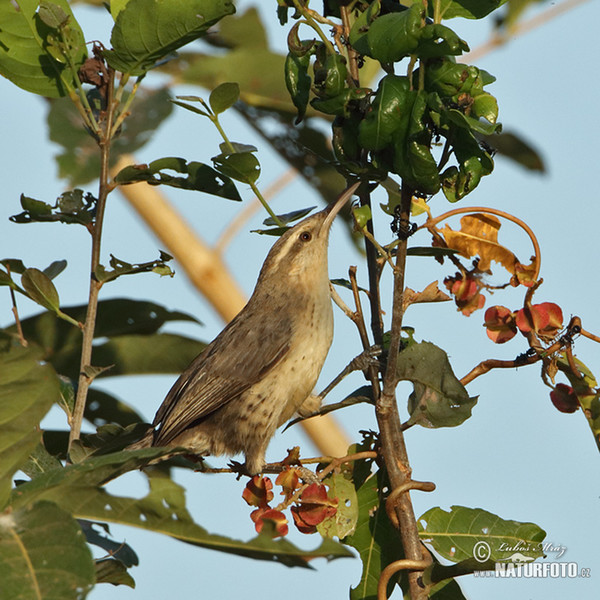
55	268
147	31
298	81
290	217
342	104
330	74
451	80
73	206
486	107
35	207
413	160
375	538
163	510
430	251
113	571
358	34
464	533
473	163
514	147
362	214
389	113
199	177
242	167
15	264
5	279
31	55
439	40
468	9
61	342
120	267
52	15
470	123
43	554
439	399
586	389
393	36
67	395
120	550
40	461
236	147
28	389
223	97
146	354
40	289
344	521
116	6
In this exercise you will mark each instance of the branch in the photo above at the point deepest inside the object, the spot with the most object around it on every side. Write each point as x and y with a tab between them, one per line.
393	446
104	188
534	355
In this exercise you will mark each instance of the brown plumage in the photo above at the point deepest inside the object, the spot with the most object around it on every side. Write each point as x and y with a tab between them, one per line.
264	365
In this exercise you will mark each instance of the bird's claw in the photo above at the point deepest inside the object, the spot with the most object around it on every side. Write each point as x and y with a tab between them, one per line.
239	468
366	359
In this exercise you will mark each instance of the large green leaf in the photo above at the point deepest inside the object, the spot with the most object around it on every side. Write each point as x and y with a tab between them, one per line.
147	31
146	354
28	389
133	344
439	399
465	533
43	555
78	488
25	54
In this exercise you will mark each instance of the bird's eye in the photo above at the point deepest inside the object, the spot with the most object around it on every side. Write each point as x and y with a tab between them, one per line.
306	236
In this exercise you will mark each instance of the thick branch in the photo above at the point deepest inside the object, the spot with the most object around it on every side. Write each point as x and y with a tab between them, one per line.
392	439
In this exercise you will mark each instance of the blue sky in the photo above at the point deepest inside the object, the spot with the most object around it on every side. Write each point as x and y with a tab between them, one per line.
517	456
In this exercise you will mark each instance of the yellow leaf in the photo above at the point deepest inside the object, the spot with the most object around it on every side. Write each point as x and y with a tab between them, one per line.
478	236
430	294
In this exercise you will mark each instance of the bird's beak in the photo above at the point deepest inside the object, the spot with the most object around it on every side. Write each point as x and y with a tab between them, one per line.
333	209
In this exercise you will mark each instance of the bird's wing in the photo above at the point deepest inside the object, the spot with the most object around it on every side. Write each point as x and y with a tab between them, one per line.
239	357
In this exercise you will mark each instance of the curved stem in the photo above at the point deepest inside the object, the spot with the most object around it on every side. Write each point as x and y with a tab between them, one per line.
311	22
398	565
500	213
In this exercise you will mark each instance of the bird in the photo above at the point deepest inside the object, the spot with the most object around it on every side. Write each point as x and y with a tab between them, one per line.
263	366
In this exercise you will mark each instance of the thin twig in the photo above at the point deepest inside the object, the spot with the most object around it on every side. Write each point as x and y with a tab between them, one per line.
358	318
589	335
523	360
15	312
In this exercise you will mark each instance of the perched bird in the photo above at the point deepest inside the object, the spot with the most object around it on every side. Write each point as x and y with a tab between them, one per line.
264	365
